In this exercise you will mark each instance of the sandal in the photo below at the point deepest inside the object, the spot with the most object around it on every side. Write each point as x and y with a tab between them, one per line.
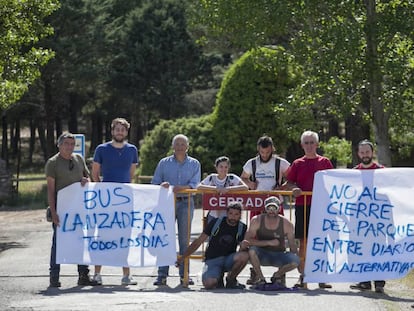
300	283
278	279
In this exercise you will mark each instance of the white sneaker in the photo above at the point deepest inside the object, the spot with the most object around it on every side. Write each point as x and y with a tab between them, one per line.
128	280
97	278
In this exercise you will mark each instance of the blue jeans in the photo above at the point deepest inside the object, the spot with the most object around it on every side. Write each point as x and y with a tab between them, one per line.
54	269
184	230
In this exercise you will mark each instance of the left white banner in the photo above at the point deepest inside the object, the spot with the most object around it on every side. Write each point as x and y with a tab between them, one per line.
114	224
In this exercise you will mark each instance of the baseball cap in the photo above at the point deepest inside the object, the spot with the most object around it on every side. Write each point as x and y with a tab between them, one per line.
272	203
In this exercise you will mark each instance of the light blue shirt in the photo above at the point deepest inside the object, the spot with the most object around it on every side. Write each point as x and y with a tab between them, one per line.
186	173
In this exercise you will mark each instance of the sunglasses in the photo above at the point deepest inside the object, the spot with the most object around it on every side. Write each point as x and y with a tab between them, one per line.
272	208
71	164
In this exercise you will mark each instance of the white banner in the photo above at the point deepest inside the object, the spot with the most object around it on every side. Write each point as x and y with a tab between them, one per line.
361	225
116	224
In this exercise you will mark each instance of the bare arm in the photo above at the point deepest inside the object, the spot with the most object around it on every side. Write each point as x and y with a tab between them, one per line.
96	172
296	191
193	247
51	199
132	171
246	179
290	234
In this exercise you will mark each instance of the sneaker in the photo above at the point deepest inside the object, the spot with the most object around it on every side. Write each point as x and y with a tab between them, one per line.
160	281
379	289
85	280
361	286
54	282
128	280
234	284
97	278
324	285
190	281
252	278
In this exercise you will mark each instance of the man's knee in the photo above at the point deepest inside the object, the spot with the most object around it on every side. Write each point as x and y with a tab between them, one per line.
210	283
241	257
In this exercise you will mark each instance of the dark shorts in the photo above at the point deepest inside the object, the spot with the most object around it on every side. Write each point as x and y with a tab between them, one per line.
274	258
299	221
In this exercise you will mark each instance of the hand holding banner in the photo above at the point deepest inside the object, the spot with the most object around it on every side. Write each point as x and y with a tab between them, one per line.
116	224
361	225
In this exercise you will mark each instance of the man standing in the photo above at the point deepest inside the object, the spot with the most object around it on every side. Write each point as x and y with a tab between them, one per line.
264	172
181	172
62	170
266	240
117	160
300	178
366	158
221	256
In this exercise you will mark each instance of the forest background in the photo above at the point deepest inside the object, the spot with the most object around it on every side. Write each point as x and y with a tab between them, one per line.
223	72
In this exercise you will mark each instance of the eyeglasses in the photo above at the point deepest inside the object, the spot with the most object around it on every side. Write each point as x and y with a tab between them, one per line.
71	164
309	142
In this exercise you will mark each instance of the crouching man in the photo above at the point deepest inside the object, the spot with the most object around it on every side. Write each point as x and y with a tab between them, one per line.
266	241
221	254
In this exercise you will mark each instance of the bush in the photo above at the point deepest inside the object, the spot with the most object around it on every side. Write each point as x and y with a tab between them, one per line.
252	101
158	142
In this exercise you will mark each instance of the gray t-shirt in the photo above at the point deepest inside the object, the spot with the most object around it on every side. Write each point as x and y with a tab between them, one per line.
66	172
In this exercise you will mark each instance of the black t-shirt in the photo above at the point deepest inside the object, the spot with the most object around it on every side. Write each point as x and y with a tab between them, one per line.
225	241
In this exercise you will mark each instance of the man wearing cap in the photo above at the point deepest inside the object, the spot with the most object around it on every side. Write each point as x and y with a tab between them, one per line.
266	240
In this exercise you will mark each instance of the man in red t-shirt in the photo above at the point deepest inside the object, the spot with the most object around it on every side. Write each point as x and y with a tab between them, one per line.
366	156
300	178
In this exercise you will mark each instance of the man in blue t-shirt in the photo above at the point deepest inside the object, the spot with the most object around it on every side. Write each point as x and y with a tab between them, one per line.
116	160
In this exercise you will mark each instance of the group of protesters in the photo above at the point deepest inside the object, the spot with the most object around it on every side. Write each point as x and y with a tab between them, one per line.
231	243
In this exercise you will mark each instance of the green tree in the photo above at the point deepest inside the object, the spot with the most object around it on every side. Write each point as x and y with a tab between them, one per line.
22	25
158	142
253	101
350	52
154	61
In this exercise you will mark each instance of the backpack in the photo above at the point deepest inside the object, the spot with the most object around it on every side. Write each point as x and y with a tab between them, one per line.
216	229
226	182
277	170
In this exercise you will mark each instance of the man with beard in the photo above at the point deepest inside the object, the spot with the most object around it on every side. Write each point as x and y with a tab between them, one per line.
266	241
221	256
117	161
366	158
264	172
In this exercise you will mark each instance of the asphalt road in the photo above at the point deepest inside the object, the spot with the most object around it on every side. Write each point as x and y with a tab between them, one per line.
25	239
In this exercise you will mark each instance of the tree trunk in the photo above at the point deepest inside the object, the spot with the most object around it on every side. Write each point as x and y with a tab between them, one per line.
5	141
380	117
73	113
42	139
50	120
16	138
32	140
96	136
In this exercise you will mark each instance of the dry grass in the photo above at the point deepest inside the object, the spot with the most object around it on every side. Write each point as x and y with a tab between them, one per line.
31	193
